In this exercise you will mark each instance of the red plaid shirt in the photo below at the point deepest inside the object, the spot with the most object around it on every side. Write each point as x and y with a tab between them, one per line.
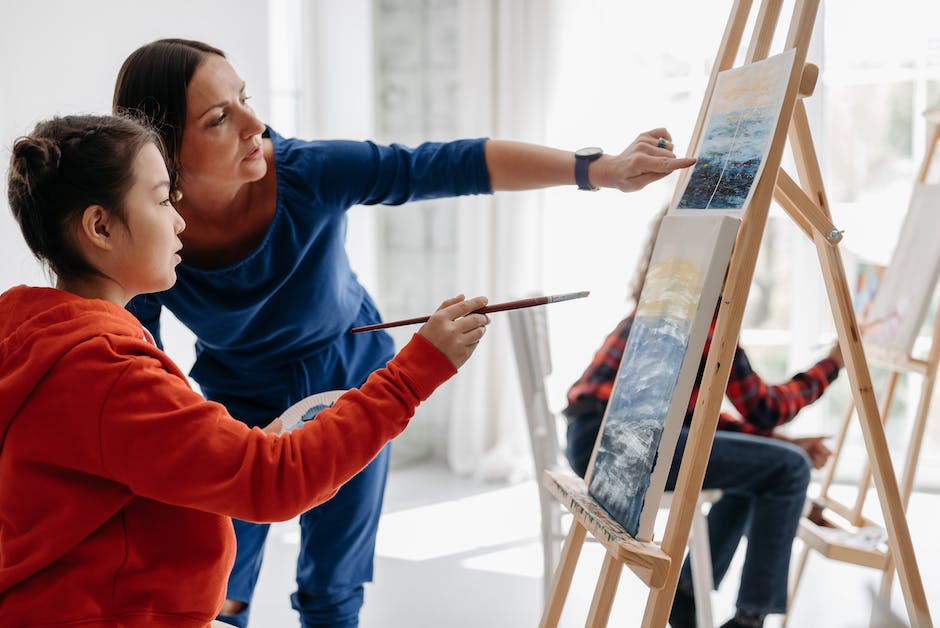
762	407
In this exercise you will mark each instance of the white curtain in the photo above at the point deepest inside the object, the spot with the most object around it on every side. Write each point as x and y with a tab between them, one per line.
504	89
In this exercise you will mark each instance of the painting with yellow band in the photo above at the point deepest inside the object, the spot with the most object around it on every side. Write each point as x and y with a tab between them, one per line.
654	381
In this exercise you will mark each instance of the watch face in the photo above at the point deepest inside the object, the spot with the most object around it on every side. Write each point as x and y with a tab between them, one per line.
590	152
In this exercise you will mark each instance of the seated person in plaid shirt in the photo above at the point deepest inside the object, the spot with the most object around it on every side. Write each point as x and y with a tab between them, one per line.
762	474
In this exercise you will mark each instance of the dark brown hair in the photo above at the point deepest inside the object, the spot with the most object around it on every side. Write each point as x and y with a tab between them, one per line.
64	166
152	84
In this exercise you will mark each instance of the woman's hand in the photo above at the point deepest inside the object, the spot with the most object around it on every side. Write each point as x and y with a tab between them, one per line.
454	330
649	158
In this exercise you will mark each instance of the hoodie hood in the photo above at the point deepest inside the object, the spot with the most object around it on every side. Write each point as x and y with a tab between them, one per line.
40	325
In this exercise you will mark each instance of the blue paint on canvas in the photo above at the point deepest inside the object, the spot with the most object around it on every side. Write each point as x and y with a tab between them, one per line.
729	158
646	382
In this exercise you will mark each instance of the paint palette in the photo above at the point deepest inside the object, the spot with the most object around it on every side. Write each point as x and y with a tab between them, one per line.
307	409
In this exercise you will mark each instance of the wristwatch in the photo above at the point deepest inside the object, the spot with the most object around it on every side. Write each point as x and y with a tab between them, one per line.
583	159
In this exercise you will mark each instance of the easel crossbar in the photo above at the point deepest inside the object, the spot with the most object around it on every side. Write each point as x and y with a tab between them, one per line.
805	212
895	362
648	561
817	537
848	513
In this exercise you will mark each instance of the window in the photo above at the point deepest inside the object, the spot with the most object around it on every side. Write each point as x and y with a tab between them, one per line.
878	77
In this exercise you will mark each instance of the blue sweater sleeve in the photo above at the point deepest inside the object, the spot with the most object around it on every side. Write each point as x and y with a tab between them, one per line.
341	173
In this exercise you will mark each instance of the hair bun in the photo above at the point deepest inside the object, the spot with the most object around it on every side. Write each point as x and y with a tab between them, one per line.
35	159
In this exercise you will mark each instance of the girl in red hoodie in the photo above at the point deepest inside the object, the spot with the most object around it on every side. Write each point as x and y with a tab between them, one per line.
117	480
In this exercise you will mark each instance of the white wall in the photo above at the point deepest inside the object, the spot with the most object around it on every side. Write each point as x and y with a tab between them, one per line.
62	56
338	101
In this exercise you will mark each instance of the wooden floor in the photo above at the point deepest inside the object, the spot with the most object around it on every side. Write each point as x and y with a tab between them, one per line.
457	553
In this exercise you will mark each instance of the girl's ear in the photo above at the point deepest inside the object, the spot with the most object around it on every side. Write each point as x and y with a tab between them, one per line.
97	227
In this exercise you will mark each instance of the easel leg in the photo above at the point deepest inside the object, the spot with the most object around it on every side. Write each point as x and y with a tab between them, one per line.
884	591
834	461
550	532
562	582
876	445
864	480
910	465
604	592
703	582
795	581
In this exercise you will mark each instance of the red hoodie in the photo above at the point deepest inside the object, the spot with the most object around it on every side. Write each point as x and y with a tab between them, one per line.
117	480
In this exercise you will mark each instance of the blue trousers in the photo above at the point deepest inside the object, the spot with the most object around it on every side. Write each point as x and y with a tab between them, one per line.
763	483
337	541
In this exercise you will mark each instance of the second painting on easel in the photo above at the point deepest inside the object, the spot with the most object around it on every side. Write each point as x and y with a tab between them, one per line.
900	304
740	124
654	382
868	277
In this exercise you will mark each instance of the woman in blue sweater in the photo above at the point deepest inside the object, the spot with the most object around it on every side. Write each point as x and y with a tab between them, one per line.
265	282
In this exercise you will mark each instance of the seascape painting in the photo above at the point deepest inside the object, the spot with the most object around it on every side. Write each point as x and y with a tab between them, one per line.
739	129
900	305
654	382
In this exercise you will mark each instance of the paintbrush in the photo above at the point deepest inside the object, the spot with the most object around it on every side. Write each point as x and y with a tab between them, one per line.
498	307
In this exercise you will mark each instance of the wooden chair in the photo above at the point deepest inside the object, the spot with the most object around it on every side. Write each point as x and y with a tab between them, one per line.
529	328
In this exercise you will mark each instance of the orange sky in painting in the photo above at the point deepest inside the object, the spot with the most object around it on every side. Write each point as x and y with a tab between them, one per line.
758	84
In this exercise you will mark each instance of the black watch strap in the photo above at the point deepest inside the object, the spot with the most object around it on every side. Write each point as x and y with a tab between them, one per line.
582	161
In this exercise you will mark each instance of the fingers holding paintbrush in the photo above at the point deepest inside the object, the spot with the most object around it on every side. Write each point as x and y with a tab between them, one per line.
497	307
456	329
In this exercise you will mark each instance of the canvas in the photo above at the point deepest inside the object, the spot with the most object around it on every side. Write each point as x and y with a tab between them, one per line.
868	277
654	381
899	307
739	128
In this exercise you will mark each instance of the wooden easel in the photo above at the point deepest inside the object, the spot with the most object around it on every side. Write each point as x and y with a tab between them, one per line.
658	566
815	536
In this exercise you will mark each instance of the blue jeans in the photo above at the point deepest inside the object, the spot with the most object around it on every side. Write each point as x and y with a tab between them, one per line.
763	483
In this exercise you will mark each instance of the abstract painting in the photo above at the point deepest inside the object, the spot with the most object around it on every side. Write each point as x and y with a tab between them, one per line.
739	129
900	305
654	381
868	277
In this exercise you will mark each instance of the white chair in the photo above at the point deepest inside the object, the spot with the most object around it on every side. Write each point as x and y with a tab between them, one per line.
529	328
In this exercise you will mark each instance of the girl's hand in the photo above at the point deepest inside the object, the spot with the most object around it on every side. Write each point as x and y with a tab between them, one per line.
454	330
274	427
